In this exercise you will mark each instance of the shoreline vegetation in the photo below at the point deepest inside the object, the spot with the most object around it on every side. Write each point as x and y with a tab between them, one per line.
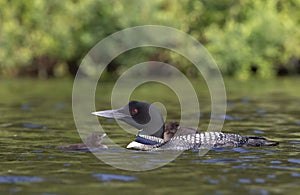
48	39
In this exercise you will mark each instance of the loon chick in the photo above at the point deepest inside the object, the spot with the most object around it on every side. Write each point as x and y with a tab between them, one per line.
155	135
93	141
172	129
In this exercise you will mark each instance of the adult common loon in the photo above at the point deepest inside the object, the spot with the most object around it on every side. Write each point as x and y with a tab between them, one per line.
155	135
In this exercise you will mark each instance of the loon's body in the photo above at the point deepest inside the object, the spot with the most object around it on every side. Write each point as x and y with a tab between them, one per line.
155	135
185	138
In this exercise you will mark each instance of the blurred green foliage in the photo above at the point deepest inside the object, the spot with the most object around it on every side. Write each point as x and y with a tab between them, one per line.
246	38
259	38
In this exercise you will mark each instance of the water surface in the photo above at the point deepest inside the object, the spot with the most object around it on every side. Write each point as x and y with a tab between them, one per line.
36	116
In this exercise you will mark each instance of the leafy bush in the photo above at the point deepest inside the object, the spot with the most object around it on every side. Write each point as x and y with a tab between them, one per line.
264	39
49	38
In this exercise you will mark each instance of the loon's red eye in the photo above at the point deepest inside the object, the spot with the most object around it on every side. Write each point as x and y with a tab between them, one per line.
134	111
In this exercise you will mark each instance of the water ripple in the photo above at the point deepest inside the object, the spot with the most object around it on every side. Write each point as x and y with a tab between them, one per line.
256	131
295	174
244	181
275	162
259	180
34	126
291	160
110	177
282	167
225	160
13	179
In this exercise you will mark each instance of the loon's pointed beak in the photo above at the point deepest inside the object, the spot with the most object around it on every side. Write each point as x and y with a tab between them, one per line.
116	114
110	114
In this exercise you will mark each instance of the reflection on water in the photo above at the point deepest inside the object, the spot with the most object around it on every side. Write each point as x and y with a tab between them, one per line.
13	179
110	177
33	123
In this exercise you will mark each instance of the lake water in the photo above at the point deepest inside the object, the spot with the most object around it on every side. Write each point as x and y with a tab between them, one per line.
36	116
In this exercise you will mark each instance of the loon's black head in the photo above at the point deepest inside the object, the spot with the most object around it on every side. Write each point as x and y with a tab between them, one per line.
141	115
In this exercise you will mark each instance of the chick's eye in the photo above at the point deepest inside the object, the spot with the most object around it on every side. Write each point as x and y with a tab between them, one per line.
134	111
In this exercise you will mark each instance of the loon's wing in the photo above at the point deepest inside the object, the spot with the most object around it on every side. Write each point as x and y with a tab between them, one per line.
208	140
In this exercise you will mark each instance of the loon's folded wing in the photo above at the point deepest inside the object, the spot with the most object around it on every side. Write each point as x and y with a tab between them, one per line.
206	140
209	140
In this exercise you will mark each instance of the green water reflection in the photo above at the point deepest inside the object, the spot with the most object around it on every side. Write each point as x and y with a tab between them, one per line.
36	116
